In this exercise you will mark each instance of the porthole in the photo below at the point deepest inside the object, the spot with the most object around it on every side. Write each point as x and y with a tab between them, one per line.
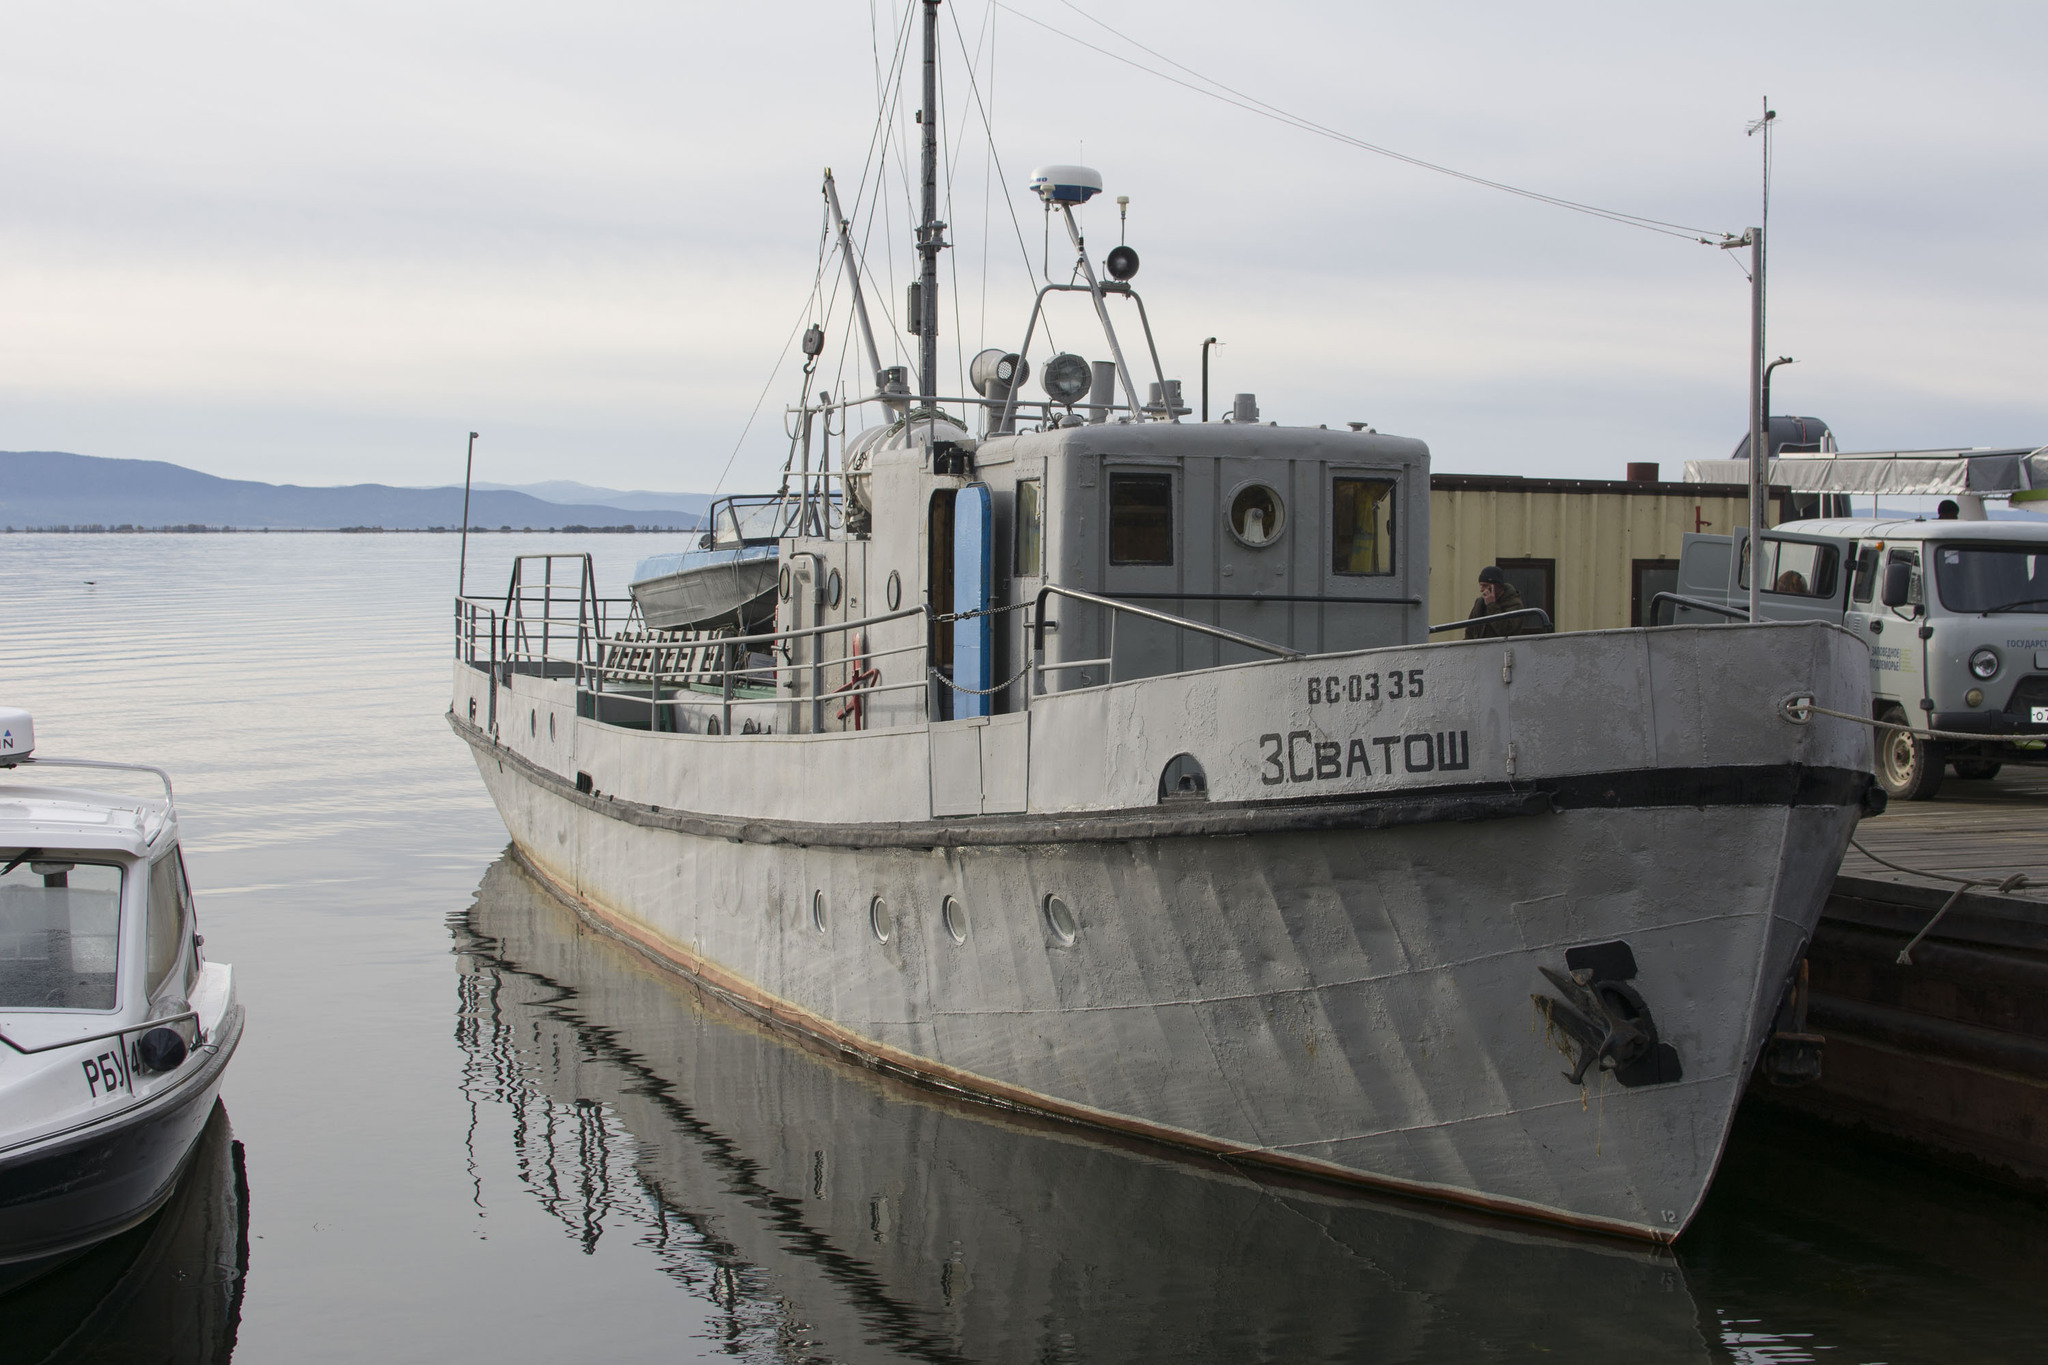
532	724
956	919
785	582
1257	515
1060	921
1183	780
880	920
894	592
818	911
551	725
832	588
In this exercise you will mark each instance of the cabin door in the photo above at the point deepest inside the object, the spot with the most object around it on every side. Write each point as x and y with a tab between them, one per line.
1143	553
973	569
938	595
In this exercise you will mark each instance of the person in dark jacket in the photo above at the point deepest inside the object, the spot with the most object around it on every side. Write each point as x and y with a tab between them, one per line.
1497	595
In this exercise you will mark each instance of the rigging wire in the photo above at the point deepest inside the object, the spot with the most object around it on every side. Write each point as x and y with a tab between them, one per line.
1253	105
988	130
802	317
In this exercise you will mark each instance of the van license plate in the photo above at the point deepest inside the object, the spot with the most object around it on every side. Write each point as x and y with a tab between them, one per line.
2041	715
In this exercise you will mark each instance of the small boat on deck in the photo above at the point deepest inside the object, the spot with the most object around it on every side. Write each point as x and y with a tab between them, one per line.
730	578
114	1029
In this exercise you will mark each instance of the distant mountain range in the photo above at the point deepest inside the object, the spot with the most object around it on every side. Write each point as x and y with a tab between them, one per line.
633	500
40	489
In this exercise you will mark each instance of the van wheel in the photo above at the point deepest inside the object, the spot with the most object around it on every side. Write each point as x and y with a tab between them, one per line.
1976	769
1908	768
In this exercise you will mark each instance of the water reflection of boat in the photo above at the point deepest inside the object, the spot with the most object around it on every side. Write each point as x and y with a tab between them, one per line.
169	1290
834	1212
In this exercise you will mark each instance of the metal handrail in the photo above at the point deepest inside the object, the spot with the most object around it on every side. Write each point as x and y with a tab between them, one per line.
1040	667
123	1031
1491	617
31	761
1737	613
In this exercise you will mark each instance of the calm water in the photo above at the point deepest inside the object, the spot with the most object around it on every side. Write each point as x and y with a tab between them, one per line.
471	1129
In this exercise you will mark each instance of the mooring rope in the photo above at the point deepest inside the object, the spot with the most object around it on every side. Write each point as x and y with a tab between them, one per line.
1797	711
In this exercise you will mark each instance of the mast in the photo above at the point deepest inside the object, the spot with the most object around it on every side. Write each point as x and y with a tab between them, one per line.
930	232
860	303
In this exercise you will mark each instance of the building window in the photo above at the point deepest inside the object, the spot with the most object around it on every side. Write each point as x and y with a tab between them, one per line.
1536	580
1361	525
1030	530
1647	578
1141	519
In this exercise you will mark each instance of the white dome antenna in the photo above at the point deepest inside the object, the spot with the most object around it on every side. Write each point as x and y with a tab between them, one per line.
17	736
1066	184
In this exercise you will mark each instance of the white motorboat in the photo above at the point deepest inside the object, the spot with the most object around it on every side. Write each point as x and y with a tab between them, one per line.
114	1029
730	578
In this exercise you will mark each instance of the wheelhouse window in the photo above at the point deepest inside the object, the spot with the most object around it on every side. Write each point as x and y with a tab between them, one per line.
1361	525
1141	519
169	920
59	929
1030	530
1794	568
1991	578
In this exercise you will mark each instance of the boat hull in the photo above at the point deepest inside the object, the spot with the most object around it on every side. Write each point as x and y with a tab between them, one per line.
711	595
1349	985
74	1189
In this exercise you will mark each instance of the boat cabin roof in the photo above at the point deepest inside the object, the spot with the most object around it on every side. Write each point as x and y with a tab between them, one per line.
75	821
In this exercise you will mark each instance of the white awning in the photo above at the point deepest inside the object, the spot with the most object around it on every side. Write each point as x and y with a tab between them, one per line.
1892	471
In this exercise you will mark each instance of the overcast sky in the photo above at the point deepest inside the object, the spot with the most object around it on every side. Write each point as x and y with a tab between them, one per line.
319	244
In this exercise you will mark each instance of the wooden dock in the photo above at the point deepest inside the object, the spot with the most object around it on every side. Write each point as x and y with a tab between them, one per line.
1947	1053
1981	830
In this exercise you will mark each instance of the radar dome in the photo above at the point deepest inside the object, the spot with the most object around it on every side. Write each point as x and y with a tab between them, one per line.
1066	184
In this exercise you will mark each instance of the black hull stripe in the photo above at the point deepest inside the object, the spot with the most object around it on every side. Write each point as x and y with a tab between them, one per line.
1784	784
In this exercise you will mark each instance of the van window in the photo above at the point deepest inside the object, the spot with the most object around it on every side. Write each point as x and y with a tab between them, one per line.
1991	578
59	927
1030	530
1141	519
1796	569
1361	525
169	920
1865	586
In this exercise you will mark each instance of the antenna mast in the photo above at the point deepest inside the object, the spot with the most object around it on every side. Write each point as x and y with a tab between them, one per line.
931	232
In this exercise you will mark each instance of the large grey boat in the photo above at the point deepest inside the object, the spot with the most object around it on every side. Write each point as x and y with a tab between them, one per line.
1100	764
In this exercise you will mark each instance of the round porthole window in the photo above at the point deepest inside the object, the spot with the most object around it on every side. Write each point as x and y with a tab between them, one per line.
880	920
895	590
532	725
551	725
1060	921
785	582
956	919
832	588
818	911
1257	515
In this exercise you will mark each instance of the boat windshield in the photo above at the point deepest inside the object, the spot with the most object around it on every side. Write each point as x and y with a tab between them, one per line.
1991	578
59	923
751	521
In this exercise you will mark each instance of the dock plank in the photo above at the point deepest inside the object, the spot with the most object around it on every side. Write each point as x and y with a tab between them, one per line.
1985	830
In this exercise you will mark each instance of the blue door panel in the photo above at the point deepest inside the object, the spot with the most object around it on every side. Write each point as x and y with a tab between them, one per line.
973	568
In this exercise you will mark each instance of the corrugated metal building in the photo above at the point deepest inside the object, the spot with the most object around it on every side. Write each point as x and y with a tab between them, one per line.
1591	552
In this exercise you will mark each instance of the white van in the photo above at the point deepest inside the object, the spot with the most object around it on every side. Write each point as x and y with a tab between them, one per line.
1955	613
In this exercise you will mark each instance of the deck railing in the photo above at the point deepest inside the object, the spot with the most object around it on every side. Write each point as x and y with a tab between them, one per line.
551	623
